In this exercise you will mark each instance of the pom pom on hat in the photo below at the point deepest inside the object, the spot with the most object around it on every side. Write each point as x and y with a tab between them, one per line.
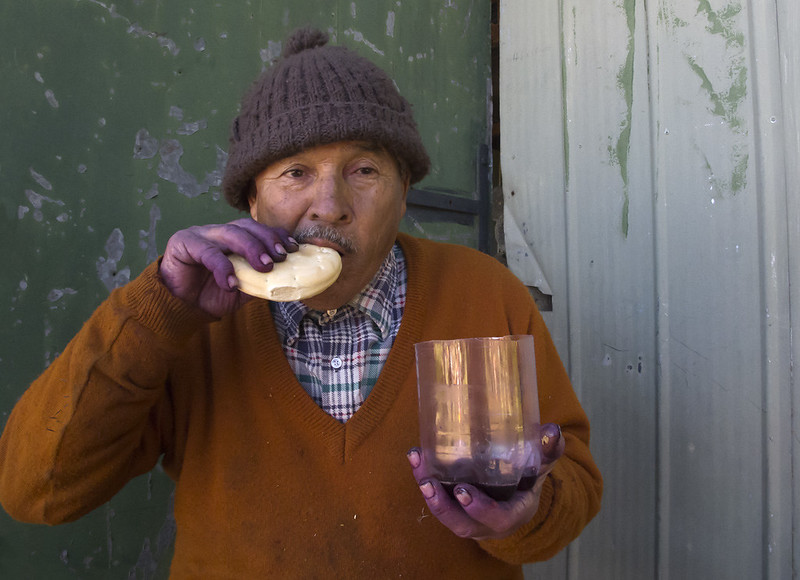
302	39
317	94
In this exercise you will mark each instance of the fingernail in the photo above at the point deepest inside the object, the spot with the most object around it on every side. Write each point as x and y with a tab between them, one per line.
551	435
427	489
413	458
265	259
279	249
463	496
232	281
291	240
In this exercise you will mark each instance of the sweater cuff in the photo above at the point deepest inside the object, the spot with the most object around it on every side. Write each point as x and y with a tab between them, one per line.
154	307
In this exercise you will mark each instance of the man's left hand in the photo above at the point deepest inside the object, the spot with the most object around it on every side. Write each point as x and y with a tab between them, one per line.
473	514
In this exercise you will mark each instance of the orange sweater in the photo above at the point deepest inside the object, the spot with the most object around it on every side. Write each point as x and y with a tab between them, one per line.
267	484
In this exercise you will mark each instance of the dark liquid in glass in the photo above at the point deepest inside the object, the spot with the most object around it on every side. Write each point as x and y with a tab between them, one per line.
527	482
496	492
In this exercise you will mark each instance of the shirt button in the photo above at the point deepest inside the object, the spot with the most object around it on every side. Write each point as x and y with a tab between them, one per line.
336	362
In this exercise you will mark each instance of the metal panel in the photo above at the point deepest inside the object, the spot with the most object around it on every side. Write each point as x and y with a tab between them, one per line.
787	530
115	118
566	183
653	160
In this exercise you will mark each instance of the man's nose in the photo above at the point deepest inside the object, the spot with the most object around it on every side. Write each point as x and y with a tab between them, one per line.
331	202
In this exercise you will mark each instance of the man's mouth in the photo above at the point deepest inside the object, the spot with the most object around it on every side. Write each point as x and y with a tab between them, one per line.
323	243
326	236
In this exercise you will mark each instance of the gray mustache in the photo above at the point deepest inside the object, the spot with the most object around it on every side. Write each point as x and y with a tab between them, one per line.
328	233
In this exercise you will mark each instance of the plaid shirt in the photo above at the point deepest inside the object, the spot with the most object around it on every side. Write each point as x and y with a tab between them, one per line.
337	355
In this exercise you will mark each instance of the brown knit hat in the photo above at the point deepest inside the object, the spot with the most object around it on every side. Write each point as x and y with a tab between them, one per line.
317	94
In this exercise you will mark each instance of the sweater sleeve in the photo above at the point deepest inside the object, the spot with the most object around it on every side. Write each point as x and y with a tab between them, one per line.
98	416
572	491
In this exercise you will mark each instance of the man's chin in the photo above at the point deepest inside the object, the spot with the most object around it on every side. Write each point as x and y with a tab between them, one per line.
330	299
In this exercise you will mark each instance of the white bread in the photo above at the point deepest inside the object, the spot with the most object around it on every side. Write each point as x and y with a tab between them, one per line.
303	274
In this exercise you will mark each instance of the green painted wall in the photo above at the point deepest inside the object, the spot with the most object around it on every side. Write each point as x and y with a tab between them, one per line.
114	120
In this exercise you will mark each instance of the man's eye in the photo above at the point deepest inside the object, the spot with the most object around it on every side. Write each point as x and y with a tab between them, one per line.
366	170
294	173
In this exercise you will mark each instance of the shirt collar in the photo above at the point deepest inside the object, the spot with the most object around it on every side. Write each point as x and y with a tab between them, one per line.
376	301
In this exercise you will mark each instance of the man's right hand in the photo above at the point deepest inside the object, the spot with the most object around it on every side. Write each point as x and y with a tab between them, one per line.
195	266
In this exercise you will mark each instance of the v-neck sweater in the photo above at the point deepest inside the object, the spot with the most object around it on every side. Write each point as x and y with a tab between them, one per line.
268	484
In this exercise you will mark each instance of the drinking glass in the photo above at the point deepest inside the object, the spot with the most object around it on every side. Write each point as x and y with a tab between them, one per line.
479	411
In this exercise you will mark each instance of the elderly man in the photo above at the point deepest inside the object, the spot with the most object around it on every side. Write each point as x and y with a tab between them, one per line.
287	426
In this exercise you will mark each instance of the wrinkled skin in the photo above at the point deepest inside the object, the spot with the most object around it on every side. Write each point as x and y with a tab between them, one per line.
473	514
349	196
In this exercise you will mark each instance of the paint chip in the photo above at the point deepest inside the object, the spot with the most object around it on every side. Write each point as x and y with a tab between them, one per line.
40	179
145	146
51	98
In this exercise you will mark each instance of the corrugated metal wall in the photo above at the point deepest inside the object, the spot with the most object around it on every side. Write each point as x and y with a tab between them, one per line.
650	155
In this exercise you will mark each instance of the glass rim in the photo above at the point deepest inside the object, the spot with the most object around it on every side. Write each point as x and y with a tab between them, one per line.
476	339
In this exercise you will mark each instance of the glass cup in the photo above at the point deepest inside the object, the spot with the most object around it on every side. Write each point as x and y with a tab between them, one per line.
479	412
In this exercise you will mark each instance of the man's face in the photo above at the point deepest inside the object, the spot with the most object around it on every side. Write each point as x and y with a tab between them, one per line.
349	196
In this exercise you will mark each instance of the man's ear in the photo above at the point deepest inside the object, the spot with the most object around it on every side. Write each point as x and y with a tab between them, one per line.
406	187
252	198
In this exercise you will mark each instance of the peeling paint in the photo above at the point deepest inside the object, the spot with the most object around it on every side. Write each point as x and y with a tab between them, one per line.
730	93
359	37
170	152
725	104
51	98
192	128
667	17
137	31
619	152
152	192
170	169
147	239
270	54
109	537
163	41
107	267
149	558
176	113
390	24
37	201
57	294
145	146
40	179
722	22
738	179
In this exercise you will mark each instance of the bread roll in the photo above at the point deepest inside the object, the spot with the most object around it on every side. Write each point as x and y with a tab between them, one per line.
303	274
